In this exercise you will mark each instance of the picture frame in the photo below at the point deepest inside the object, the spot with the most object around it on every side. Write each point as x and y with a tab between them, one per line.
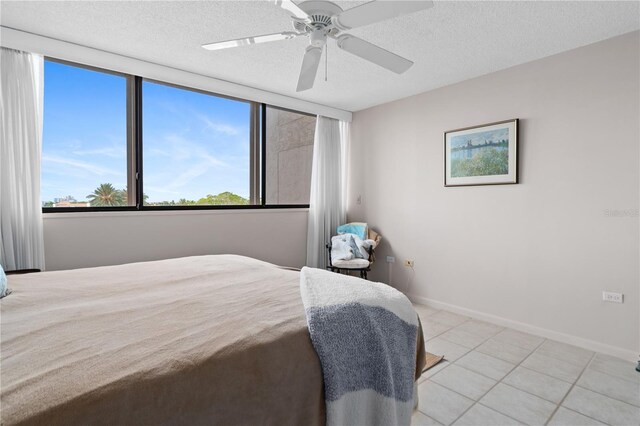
486	154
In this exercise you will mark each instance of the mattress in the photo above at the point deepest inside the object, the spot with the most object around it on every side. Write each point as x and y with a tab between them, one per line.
197	340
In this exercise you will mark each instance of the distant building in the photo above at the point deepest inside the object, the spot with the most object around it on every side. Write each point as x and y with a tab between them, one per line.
72	204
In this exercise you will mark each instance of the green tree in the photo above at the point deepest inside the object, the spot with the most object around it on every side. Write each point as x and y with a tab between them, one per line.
125	197
223	199
185	202
106	195
487	162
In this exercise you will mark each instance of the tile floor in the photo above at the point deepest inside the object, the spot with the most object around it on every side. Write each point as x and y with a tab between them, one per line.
494	376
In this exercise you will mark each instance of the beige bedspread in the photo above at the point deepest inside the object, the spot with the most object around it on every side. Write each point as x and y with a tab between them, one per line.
198	340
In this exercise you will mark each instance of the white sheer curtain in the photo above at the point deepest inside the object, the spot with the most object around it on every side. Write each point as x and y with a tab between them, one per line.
21	97
327	205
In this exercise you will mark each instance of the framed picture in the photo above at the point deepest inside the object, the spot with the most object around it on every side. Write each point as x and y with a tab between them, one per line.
482	155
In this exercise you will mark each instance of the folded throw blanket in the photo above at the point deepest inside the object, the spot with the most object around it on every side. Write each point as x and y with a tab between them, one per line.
358	228
365	336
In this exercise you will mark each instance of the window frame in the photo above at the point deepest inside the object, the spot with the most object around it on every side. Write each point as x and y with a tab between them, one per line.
135	173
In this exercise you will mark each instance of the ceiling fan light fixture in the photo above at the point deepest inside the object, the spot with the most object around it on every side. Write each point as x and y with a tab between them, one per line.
318	38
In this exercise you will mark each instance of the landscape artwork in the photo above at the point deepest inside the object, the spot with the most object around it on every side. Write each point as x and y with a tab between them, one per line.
482	155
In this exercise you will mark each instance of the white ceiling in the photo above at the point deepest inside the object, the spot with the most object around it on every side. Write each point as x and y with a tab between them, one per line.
451	42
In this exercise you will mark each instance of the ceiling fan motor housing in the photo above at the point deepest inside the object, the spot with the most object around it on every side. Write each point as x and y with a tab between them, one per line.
320	13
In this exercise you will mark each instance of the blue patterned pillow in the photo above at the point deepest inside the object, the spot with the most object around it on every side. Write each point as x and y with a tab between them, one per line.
4	290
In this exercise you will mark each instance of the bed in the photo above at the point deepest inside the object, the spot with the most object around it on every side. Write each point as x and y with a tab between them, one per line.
198	340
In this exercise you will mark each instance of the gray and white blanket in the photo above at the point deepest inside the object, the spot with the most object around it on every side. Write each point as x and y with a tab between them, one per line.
365	336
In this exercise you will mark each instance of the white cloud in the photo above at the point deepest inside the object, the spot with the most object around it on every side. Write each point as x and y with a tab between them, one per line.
225	129
82	165
112	152
187	176
184	149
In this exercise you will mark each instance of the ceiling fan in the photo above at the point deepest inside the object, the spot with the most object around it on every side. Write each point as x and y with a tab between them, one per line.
320	20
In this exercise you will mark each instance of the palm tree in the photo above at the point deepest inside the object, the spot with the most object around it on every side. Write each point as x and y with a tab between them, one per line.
106	195
125	197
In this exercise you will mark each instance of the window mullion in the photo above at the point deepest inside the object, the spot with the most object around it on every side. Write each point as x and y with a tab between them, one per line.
254	155
131	142
263	156
137	123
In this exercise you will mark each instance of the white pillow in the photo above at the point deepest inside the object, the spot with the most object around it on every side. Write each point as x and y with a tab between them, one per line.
4	290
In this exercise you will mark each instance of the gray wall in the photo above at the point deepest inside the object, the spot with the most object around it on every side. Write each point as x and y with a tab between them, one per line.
289	156
535	255
78	240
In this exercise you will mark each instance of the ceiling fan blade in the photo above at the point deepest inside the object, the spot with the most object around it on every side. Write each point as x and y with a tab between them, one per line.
250	40
376	11
309	68
292	8
373	53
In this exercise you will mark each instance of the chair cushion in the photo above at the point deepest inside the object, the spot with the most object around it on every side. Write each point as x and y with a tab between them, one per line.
351	264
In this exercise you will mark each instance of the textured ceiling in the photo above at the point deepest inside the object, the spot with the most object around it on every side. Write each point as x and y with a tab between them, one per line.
451	42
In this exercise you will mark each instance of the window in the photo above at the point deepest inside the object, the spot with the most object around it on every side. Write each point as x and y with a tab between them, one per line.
289	153
119	142
84	141
196	148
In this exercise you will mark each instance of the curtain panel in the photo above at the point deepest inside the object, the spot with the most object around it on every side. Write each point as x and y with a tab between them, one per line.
327	204
21	112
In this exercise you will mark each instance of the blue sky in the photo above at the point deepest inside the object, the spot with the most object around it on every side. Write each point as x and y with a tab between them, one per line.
193	144
480	137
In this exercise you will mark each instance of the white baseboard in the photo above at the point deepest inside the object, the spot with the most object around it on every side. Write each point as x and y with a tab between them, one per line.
591	345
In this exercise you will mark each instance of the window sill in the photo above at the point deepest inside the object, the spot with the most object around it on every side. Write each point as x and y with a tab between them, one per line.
176	212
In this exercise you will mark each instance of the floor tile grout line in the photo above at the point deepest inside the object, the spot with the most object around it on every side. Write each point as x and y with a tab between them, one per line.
437	335
546	374
506	415
615	376
557	404
496	384
485	339
530	351
422	412
607	396
484	375
489	390
576	383
519	364
474	402
578	412
483	395
516	365
569	391
544	339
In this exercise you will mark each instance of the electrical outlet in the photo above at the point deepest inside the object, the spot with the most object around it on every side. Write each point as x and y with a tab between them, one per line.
408	263
609	296
391	259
